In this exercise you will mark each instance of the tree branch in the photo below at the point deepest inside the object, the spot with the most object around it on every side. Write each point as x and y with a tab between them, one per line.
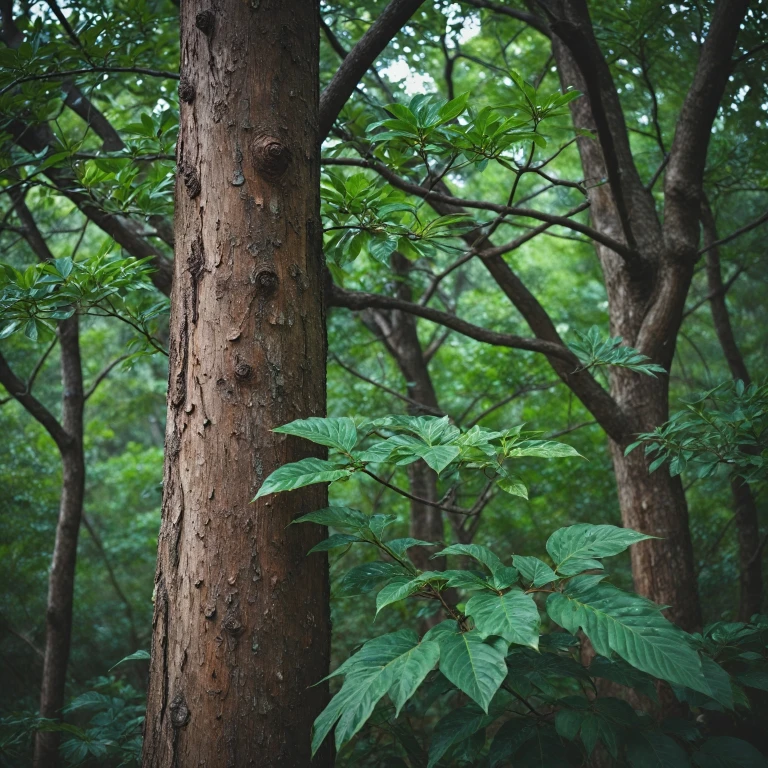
18	390
360	58
358	301
531	19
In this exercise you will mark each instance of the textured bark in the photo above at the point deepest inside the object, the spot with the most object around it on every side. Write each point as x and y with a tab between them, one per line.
61	580
744	504
241	625
662	569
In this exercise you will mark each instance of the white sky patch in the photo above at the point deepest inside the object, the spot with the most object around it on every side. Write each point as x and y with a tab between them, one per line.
413	82
470	24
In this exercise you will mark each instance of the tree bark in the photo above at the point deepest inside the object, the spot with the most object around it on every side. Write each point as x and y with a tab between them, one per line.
241	624
61	580
662	569
744	504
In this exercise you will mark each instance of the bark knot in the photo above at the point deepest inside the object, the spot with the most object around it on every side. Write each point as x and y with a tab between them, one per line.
243	370
186	91
204	21
191	181
271	157
179	711
266	281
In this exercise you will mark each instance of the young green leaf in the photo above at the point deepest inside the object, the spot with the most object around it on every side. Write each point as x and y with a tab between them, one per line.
629	625
513	616
574	548
339	433
534	571
302	473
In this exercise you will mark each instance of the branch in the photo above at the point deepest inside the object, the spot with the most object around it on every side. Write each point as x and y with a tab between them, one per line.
432	196
358	301
18	390
531	19
508	399
65	75
688	155
103	375
727	239
394	392
360	58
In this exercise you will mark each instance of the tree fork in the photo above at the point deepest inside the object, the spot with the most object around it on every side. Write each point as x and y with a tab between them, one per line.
241	625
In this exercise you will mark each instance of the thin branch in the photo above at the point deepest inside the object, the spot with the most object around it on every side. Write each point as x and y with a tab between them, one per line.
17	389
65	75
531	19
358	300
388	390
419	191
727	239
103	375
509	398
568	430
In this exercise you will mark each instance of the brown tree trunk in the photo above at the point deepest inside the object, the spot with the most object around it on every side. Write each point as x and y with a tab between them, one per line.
744	504
662	569
61	581
397	331
241	625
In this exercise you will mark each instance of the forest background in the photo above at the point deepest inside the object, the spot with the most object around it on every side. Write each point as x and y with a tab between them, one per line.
123	59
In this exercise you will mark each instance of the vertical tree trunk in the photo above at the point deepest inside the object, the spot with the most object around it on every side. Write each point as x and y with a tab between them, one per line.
398	332
241	625
61	581
662	569
744	504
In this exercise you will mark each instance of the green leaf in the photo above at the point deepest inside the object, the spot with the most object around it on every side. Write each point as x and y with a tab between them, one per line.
334	542
653	749
397	590
438	457
339	433
135	656
401	546
302	473
503	575
366	577
453	108
474	666
512	485
513	616
630	626
545	449
574	548
727	752
395	661
534	571
343	518
457	725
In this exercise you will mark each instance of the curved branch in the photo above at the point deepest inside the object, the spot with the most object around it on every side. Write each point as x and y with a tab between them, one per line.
360	58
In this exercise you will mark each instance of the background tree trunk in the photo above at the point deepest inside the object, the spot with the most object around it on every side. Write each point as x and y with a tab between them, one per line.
241	626
61	581
744	504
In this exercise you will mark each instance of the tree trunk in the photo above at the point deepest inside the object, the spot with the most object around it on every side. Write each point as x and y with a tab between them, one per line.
398	332
61	581
241	625
662	569
744	504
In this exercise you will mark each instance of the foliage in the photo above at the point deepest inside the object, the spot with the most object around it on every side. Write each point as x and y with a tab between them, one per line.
104	728
521	675
726	426
36	298
593	350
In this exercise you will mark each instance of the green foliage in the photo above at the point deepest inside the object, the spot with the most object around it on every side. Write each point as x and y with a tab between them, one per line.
594	351
724	427
34	299
402	440
497	645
